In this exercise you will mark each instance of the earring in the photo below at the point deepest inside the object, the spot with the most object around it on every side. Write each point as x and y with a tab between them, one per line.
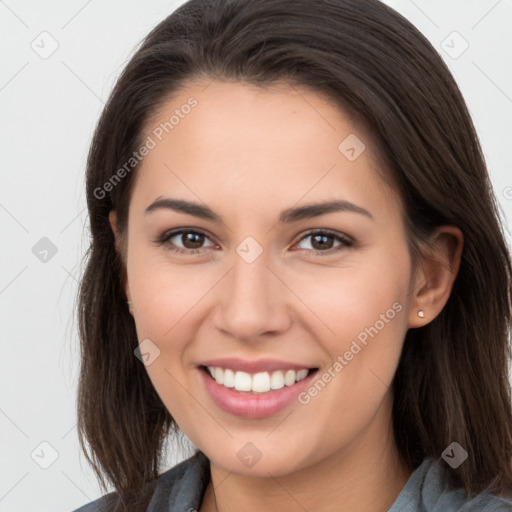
129	306
421	313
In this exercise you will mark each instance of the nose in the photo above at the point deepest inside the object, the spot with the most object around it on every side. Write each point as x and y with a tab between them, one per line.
253	302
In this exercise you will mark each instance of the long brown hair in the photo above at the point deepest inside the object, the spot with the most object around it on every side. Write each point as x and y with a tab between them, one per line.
452	380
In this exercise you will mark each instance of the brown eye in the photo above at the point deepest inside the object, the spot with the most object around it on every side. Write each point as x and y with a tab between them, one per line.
191	240
185	240
325	242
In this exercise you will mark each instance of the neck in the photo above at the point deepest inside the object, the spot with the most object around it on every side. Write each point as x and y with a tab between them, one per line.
368	475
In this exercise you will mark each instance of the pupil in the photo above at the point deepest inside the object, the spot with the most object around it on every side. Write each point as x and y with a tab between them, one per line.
193	240
322	245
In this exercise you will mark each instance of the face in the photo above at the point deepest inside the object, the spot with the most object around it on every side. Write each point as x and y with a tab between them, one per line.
302	309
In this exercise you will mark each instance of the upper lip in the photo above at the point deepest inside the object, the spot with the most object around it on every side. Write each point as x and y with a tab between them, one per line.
260	365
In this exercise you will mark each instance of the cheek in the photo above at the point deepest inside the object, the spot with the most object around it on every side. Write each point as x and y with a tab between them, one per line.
164	294
360	309
164	300
363	324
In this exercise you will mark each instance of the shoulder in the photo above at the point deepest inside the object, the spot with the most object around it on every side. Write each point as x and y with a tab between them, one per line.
181	487
427	490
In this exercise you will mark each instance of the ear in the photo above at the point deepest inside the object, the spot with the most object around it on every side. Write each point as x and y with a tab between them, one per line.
112	217
435	275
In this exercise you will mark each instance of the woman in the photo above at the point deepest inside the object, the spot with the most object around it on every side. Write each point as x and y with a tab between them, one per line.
296	261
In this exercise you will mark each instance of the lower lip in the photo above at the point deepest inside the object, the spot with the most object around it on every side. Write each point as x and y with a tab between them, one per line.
253	406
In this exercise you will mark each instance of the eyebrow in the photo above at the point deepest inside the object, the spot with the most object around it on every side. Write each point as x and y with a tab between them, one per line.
287	216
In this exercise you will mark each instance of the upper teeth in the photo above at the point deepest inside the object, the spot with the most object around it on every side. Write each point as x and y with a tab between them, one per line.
258	382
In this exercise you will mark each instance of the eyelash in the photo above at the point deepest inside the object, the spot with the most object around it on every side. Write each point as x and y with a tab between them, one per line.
345	243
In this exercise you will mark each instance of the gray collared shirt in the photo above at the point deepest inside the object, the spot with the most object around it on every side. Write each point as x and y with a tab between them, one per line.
181	489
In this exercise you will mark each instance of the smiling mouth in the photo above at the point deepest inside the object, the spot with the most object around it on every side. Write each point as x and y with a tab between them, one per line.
256	383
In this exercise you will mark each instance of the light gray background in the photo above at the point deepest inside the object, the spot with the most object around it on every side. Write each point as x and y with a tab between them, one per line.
49	107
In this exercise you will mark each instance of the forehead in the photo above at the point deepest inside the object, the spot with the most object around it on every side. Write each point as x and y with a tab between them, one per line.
258	146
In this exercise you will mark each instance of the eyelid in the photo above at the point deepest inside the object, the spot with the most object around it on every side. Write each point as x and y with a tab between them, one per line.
326	231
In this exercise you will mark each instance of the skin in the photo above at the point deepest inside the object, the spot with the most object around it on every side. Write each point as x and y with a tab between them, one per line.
248	153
